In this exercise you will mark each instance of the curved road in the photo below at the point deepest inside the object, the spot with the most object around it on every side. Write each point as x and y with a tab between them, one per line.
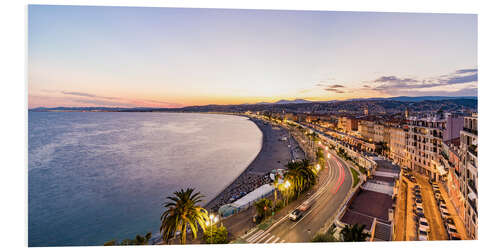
333	187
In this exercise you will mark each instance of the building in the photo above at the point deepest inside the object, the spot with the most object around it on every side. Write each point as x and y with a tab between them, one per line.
456	185
397	145
454	124
468	154
366	130
347	124
423	146
379	133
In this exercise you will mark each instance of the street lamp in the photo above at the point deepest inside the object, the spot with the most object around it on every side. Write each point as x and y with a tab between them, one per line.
212	219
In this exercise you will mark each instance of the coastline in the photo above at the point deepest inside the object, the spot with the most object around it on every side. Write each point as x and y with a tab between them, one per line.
273	154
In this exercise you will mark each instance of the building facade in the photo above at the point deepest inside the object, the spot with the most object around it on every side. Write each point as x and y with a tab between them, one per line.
468	148
397	145
423	146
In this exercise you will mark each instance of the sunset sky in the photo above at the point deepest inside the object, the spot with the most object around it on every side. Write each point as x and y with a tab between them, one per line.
169	57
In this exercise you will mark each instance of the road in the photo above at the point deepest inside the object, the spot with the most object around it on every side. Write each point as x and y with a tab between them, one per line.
332	190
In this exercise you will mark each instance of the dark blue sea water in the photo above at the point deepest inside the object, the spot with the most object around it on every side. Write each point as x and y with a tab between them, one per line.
94	177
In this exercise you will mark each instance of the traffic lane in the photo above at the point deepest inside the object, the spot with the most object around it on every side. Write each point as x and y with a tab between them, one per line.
329	202
284	227
325	206
313	223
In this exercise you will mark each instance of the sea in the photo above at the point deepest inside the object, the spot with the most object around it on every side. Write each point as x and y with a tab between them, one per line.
100	176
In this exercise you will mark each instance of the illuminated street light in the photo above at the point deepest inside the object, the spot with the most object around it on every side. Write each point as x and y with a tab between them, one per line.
328	155
318	167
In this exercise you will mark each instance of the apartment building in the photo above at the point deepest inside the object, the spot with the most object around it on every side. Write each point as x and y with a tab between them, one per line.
347	124
456	183
468	148
397	145
366	130
423	145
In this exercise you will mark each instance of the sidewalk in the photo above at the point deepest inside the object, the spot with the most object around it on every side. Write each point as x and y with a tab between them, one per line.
400	220
453	212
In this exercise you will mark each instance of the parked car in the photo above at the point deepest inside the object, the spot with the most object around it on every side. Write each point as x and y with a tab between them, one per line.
418	196
451	229
416	187
444	213
450	221
418	201
454	236
419	210
423	224
442	206
422	235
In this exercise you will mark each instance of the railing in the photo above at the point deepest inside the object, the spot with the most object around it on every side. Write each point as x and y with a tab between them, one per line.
472	131
472	204
472	186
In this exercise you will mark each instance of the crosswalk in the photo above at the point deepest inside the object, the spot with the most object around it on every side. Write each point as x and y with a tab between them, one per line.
260	236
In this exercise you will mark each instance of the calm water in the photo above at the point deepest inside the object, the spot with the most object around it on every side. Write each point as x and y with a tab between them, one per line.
93	177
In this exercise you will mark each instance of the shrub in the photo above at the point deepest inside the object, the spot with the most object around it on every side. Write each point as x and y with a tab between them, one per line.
215	235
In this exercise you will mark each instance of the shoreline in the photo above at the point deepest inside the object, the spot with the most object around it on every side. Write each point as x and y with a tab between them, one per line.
273	154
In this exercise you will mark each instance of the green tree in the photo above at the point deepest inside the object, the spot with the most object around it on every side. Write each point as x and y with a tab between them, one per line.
264	208
354	232
183	210
138	240
215	235
300	175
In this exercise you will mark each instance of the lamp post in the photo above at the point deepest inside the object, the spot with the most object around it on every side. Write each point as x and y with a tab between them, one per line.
212	219
287	185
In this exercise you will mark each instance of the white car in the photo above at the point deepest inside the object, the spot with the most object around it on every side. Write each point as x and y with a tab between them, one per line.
422	235
451	229
423	224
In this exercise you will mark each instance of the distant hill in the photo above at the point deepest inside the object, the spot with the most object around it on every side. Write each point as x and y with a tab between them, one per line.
296	101
415	98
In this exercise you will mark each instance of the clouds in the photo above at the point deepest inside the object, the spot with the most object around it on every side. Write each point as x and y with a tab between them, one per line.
332	87
393	84
458	82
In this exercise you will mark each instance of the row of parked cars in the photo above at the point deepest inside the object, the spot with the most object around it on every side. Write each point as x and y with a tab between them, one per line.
449	224
422	225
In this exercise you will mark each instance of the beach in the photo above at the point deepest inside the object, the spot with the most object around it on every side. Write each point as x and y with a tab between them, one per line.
274	154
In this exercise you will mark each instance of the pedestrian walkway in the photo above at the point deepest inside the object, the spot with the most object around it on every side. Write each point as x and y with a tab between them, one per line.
260	236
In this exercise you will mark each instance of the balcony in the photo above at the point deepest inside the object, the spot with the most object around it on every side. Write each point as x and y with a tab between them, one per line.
473	149
472	131
472	186
472	204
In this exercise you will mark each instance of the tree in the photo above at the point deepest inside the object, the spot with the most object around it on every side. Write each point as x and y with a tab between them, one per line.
215	235
264	208
300	175
326	237
182	211
354	232
138	240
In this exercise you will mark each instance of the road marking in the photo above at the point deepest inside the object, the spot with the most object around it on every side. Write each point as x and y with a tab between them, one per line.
262	237
277	238
270	238
255	235
282	241
249	232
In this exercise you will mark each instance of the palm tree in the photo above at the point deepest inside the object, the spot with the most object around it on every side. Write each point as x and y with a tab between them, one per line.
182	210
301	176
354	232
